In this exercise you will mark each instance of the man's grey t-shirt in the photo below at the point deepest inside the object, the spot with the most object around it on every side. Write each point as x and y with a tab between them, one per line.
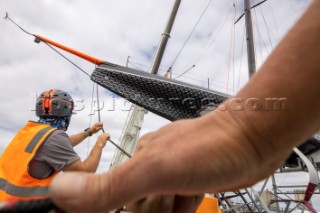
54	154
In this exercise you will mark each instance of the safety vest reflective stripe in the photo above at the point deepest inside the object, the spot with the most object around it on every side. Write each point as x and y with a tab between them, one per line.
22	191
36	139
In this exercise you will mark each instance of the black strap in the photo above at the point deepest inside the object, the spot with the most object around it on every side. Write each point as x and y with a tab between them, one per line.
34	206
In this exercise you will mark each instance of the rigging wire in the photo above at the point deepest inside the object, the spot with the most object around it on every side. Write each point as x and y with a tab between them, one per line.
242	48
69	60
193	29
140	64
254	36
261	40
234	42
254	40
98	106
233	67
98	103
231	48
214	37
219	31
190	34
190	76
99	119
283	180
211	41
269	32
267	27
212	85
274	20
140	59
145	65
8	18
185	72
38	40
91	113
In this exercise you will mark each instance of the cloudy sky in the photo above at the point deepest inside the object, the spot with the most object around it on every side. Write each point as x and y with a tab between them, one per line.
126	32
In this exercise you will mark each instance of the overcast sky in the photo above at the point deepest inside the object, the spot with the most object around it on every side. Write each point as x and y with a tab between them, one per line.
114	31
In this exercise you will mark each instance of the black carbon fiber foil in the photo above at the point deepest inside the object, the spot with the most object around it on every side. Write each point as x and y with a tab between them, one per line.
170	99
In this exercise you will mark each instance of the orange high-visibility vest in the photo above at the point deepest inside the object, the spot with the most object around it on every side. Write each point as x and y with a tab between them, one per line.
15	181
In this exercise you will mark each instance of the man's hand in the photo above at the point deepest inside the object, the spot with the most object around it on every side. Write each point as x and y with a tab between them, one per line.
167	172
223	151
96	127
102	139
79	137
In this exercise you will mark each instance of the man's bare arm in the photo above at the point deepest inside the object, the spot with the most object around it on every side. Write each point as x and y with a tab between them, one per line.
78	138
225	150
92	162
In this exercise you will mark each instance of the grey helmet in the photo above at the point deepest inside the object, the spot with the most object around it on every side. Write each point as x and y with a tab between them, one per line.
54	103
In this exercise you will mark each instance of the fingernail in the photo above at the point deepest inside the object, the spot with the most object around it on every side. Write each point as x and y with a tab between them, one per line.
67	185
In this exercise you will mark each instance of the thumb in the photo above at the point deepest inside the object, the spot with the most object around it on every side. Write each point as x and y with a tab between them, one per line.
83	192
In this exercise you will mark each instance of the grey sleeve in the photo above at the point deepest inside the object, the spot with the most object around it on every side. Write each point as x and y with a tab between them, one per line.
57	150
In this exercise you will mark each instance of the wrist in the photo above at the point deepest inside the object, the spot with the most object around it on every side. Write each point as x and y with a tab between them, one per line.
252	131
100	145
232	127
88	131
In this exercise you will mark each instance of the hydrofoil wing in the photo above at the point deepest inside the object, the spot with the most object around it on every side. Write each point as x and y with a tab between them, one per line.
167	98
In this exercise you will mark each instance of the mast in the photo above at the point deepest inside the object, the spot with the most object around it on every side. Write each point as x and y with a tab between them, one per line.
165	38
135	118
252	69
250	42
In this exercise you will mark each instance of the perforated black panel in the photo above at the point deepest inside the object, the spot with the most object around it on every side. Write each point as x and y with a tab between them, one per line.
170	99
